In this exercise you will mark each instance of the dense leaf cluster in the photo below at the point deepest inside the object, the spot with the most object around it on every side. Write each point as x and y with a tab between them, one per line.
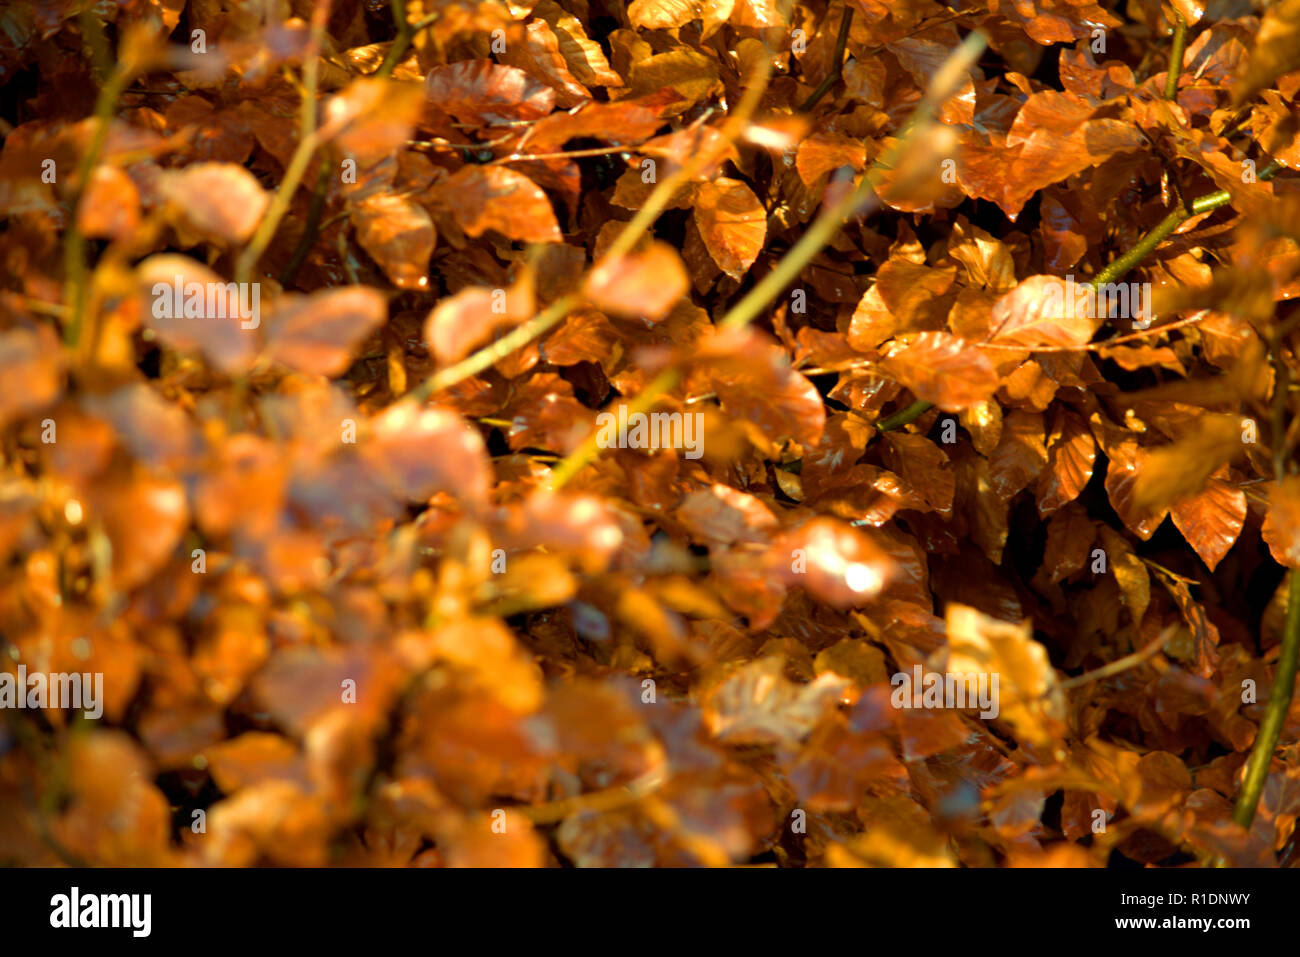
364	584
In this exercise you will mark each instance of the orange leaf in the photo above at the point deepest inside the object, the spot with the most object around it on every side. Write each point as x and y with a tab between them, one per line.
1211	520
218	201
1282	524
493	197
317	333
732	222
944	370
1045	311
643	284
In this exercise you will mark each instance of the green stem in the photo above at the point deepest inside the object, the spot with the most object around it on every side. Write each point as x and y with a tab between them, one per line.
485	358
829	79
74	244
1176	56
311	229
1148	243
904	416
1279	704
406	32
308	140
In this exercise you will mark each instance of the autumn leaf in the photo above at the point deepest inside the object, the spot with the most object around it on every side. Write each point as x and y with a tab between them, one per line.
1174	472
1211	520
191	308
647	283
28	359
215	201
688	73
1274	52
1028	694
466	320
369	120
1071	453
1129	571
479	91
1282	523
400	237
732	223
1045	311
942	369
834	561
663	14
318	333
110	206
418	452
494	197
924	467
758	704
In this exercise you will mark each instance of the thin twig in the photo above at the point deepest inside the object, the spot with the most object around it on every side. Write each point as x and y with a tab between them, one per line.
1279	704
308	140
563	154
837	60
604	801
1120	665
311	228
406	32
74	243
1176	56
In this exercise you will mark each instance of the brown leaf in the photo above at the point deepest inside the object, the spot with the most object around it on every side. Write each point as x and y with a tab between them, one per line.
1174	472
480	91
691	75
732	223
1129	571
191	308
461	323
317	333
110	206
1071	451
924	467
416	452
644	284
663	14
1276	50
493	197
399	235
758	385
29	364
1282	523
943	369
1028	693
1211	520
216	201
1045	311
371	120
584	56
834	561
757	704
539	56
144	518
